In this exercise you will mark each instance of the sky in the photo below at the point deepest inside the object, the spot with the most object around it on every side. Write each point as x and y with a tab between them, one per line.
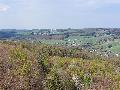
31	14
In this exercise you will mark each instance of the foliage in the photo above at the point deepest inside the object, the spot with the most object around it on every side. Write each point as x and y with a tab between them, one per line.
26	66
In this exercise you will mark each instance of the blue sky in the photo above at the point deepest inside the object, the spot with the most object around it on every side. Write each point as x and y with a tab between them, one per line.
59	13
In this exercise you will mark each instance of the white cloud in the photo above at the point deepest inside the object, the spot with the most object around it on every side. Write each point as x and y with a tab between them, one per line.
98	2
88	5
4	7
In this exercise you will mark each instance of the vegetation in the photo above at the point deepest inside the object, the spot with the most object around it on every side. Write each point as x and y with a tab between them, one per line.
105	41
32	66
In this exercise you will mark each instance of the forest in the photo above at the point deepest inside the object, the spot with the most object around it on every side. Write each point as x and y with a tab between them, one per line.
33	66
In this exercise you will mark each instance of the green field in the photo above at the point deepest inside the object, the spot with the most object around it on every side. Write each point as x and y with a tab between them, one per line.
82	40
115	46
